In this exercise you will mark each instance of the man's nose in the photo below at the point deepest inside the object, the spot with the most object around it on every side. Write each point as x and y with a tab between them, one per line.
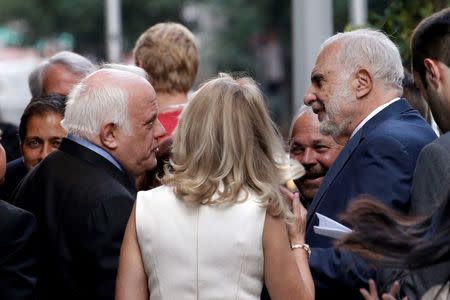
309	97
46	150
308	158
159	130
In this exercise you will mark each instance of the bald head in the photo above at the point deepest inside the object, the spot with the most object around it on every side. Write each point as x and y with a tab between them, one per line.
117	76
315	151
116	109
103	97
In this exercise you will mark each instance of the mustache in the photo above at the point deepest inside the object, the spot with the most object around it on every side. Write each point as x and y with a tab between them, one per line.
316	105
313	172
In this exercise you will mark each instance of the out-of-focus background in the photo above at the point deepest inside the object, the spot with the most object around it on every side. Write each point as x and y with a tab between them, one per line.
274	41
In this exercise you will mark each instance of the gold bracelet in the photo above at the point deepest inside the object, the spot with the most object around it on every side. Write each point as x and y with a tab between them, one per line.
302	246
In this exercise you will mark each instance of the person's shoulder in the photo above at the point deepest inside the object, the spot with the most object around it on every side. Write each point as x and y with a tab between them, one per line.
438	150
14	221
444	140
403	132
161	193
11	212
17	163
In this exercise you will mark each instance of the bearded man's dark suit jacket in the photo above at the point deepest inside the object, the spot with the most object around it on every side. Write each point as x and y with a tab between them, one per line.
82	203
17	260
379	160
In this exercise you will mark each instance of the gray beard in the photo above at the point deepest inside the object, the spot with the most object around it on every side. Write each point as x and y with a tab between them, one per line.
329	128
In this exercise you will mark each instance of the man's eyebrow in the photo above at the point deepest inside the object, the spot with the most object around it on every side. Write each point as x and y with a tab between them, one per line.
318	141
316	76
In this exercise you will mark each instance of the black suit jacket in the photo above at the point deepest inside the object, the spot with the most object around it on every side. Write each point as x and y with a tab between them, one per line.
82	203
17	259
379	160
15	172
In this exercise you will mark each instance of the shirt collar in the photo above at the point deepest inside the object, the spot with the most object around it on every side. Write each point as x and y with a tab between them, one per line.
372	114
100	151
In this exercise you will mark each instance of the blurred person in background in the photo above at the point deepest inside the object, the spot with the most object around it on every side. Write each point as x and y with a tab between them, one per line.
82	194
168	53
17	258
430	193
315	151
55	75
40	133
220	209
59	73
431	69
414	96
10	140
40	130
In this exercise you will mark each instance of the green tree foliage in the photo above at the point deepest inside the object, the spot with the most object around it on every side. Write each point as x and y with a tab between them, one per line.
399	18
48	18
84	19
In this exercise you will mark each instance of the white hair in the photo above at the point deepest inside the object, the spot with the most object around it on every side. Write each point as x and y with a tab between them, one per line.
129	68
75	63
373	50
90	106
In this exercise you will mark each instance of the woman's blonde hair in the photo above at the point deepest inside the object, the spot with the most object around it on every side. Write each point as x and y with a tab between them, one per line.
225	144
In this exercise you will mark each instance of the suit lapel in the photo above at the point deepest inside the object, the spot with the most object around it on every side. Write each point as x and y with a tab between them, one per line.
394	109
335	169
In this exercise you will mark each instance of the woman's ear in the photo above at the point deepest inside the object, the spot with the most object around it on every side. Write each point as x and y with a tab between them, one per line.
432	72
363	83
108	136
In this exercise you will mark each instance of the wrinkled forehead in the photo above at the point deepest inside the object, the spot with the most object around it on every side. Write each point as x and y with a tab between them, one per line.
330	54
142	99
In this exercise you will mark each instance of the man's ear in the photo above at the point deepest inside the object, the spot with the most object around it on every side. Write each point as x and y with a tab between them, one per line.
433	73
363	82
139	63
108	135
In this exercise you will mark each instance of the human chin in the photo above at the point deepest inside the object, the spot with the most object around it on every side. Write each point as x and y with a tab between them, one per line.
308	191
151	162
328	127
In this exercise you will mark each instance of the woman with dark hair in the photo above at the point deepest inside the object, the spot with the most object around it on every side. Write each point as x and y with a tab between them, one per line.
390	239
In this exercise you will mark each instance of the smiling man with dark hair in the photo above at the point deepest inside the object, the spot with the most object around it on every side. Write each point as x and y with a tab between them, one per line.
315	151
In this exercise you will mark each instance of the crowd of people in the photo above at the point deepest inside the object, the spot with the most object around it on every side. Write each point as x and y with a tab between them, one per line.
128	188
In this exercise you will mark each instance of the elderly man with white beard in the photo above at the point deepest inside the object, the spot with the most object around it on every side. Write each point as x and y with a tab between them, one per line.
355	91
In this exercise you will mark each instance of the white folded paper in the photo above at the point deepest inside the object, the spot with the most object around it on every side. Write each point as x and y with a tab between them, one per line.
330	228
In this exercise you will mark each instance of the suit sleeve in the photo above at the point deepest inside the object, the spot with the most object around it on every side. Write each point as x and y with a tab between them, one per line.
339	271
431	179
383	169
17	261
105	231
